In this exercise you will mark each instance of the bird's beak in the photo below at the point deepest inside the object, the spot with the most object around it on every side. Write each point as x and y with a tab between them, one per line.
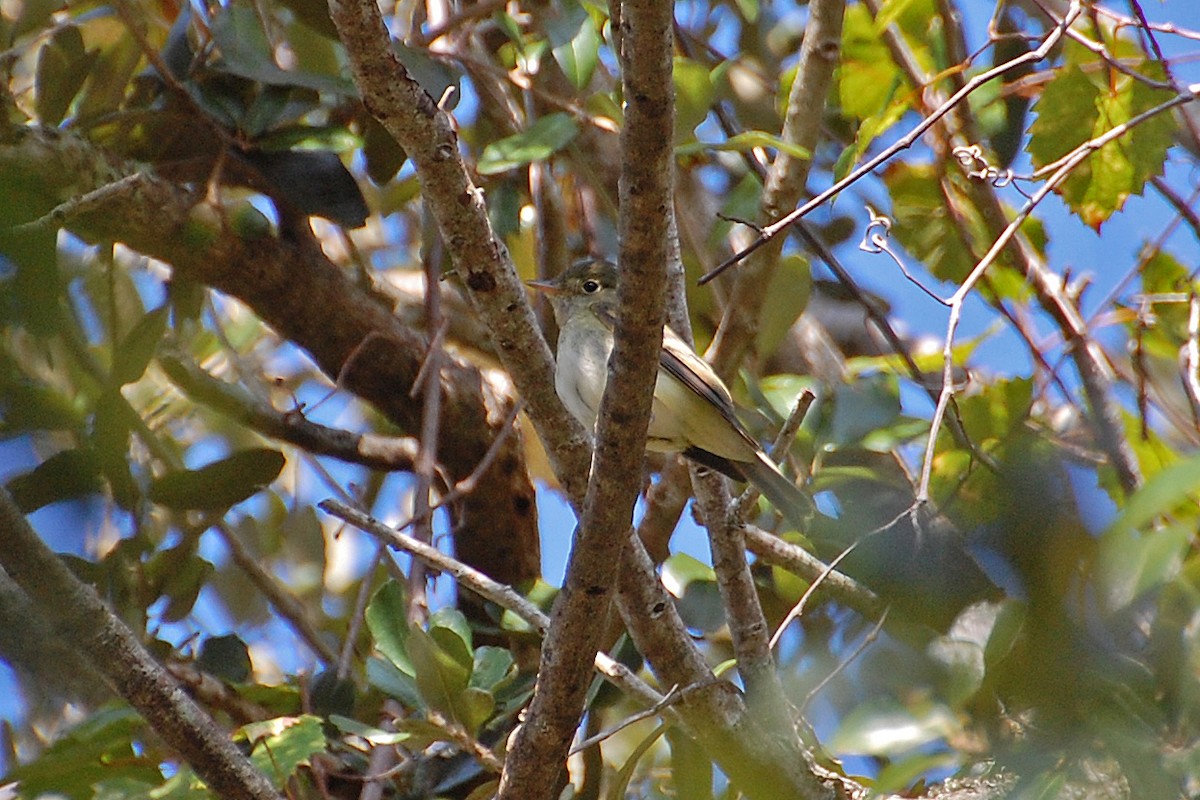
549	287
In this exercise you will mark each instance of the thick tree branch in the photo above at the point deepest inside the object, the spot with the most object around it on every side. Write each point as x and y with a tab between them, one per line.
79	616
294	288
427	135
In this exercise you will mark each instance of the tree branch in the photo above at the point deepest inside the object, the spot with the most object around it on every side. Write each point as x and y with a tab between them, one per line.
79	616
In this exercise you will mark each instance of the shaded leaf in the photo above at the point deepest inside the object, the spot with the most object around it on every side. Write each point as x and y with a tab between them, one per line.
440	678
387	678
492	667
220	484
694	96
63	65
63	476
387	619
226	657
331	694
314	182
133	354
81	757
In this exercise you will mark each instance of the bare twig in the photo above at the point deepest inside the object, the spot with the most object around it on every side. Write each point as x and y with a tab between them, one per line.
1126	469
285	604
862	646
798	609
771	231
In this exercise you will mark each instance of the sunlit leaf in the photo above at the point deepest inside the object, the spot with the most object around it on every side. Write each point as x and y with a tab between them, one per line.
1171	488
1075	108
884	727
372	734
867	78
541	140
574	42
283	745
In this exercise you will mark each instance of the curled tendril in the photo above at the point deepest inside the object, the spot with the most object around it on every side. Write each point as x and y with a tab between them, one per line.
875	237
971	158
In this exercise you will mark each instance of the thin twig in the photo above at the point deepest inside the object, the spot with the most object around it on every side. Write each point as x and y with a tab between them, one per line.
906	141
491	590
285	604
1066	165
863	645
798	609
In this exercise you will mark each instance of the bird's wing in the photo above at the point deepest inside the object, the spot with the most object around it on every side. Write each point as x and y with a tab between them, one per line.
680	361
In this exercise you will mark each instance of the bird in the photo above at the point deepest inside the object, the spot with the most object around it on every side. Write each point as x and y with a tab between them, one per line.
692	411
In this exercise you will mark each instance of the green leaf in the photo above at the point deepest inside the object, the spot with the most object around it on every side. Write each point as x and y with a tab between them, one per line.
110	441
246	52
786	298
473	707
375	736
99	748
1076	107
226	657
220	484
923	224
449	628
871	129
63	65
62	476
440	677
387	619
694	585
434	76
182	587
284	744
493	667
745	142
886	728
1170	489
133	354
868	79
330	694
541	140
862	407
1131	563
694	96
574	41
625	775
387	678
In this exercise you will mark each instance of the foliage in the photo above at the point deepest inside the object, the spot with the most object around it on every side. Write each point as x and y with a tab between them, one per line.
1042	603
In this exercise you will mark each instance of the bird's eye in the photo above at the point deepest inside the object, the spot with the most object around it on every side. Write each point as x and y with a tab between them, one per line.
591	286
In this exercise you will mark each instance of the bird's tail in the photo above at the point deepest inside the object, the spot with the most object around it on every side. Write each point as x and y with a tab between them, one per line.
795	506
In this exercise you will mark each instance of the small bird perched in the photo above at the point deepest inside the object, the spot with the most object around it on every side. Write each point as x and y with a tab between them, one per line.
692	411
